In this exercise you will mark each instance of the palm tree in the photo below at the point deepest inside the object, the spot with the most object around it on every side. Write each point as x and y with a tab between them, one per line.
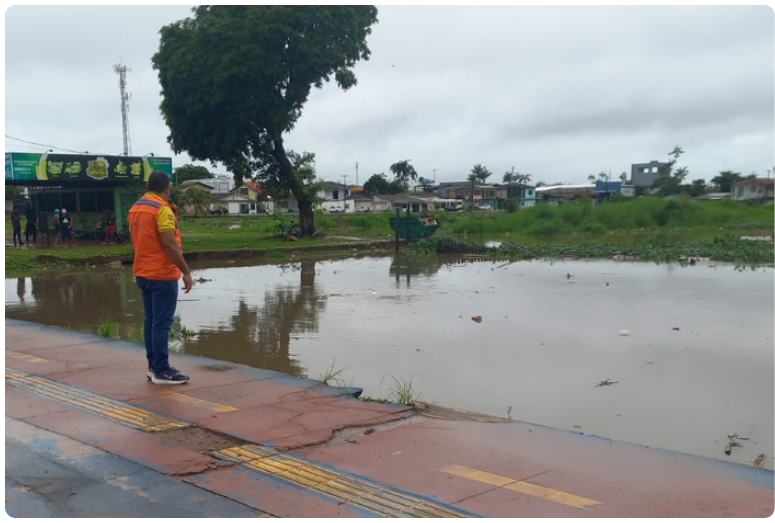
199	199
510	176
404	172
523	178
481	173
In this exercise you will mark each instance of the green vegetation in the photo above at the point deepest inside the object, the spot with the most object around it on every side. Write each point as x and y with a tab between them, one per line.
647	213
107	326
402	391
330	375
650	227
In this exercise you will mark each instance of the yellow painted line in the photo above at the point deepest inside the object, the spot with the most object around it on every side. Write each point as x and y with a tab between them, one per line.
26	357
524	487
91	401
380	499
209	405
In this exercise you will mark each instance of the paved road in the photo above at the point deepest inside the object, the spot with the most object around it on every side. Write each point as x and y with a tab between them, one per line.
49	475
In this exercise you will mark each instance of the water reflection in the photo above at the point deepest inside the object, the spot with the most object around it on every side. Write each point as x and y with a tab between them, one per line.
260	335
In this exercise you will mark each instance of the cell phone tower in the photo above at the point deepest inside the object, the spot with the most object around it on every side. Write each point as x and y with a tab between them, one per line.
121	69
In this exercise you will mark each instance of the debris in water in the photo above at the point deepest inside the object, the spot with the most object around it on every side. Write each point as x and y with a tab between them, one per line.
477	319
368	431
605	383
732	437
607	284
568	276
576	426
759	461
676	328
624	332
202	280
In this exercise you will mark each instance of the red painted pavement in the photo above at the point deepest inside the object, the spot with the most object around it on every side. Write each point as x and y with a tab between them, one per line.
274	409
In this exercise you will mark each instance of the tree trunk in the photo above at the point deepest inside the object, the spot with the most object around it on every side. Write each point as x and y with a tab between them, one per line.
287	172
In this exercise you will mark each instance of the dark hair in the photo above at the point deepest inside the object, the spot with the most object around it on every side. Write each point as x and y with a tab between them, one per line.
158	181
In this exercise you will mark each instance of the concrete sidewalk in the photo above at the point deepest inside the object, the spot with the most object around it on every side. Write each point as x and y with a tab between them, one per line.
263	442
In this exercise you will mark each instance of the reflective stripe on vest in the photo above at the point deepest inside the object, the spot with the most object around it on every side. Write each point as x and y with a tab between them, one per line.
151	260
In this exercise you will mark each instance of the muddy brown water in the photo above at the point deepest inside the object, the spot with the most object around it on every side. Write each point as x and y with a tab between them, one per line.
697	363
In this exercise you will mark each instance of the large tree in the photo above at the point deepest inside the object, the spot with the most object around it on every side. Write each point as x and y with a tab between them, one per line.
725	180
404	173
235	79
378	184
191	172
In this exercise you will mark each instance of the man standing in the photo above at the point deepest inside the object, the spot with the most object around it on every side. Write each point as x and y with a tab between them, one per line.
66	226
158	266
32	224
16	222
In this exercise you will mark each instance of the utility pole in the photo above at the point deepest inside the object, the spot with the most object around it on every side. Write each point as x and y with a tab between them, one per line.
356	173
434	177
344	192
121	70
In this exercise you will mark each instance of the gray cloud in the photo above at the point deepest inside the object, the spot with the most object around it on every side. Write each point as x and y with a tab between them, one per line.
557	91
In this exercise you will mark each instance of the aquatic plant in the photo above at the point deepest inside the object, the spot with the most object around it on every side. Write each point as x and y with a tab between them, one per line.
331	375
107	326
403	391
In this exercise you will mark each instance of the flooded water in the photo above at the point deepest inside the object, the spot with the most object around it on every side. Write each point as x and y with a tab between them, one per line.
697	363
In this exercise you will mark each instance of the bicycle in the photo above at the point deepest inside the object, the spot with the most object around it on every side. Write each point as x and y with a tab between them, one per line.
123	234
283	229
99	231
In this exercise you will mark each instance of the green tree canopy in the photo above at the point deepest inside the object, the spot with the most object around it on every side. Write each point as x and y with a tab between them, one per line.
198	198
404	173
13	192
191	172
378	184
725	180
235	79
480	173
670	181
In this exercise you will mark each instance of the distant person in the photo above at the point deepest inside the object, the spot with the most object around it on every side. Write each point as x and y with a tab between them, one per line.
158	266
16	222
32	225
57	227
110	227
66	227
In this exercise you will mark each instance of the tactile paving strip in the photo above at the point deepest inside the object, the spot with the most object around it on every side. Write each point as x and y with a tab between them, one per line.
347	489
91	402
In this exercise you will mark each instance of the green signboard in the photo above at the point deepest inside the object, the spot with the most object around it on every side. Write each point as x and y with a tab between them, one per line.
62	167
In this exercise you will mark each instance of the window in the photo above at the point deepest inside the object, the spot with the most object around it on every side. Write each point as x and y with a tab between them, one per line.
334	195
740	191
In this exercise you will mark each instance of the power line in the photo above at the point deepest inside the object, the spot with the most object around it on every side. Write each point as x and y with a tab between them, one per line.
44	145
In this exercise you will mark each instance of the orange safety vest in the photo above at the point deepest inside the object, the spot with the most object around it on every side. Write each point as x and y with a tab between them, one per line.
151	260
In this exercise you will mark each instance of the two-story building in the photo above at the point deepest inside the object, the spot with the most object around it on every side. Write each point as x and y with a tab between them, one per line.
334	196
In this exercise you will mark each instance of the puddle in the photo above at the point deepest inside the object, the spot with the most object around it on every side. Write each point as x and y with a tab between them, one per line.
697	363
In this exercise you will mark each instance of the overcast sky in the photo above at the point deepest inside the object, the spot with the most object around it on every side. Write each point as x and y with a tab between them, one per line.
559	92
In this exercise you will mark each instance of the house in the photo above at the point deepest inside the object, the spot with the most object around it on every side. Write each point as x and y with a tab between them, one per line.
361	202
645	174
405	200
234	203
220	184
759	190
526	194
559	193
186	186
605	188
484	195
334	197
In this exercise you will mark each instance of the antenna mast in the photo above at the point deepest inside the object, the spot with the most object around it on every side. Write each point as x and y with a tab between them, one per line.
121	70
